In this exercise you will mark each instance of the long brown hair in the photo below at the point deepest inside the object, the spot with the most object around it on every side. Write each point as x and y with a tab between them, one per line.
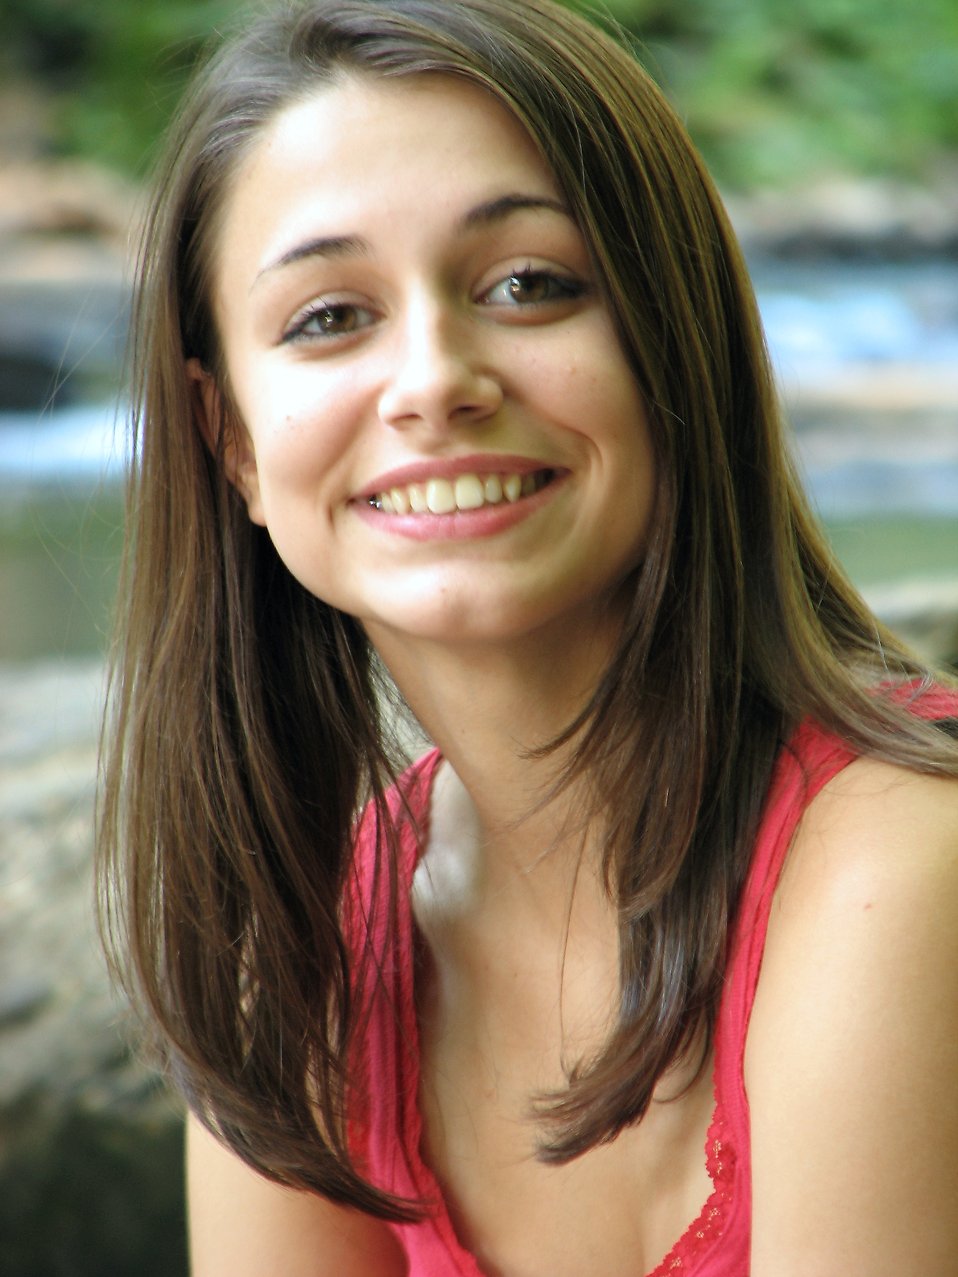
247	721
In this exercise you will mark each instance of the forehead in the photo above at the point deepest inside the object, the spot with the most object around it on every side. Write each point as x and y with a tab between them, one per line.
362	145
357	105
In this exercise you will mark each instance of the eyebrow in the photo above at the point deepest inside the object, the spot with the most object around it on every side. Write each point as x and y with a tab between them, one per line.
322	246
498	209
485	214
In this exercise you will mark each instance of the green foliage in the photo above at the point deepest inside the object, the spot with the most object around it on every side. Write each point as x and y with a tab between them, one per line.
775	92
772	91
116	67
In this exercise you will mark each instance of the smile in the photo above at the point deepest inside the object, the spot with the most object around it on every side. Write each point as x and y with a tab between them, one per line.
465	492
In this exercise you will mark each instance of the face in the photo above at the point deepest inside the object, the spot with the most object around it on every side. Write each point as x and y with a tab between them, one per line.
438	426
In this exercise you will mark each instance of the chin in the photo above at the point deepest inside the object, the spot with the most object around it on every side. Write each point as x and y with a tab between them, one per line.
479	622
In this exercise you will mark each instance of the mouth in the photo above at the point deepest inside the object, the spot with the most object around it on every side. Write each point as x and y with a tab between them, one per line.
465	492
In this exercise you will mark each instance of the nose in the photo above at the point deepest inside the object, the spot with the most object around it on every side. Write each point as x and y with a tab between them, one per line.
437	376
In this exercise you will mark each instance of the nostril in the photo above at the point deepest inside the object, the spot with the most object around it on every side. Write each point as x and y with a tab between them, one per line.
451	395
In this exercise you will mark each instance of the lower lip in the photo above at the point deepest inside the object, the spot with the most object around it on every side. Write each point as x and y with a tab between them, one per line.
460	525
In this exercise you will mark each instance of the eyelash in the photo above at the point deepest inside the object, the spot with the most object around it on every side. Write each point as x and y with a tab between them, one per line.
297	330
562	288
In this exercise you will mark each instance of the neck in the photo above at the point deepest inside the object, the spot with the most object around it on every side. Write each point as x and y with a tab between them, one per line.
509	893
488	708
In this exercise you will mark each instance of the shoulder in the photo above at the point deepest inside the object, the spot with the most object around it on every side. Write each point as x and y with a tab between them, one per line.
873	823
242	1225
852	1053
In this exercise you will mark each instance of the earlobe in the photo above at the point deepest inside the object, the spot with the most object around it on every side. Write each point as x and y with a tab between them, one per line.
239	459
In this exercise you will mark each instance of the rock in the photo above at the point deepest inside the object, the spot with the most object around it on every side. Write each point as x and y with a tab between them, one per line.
922	610
64	281
850	218
90	1146
62	335
866	460
27	377
87	1194
21	1002
60	1024
67	198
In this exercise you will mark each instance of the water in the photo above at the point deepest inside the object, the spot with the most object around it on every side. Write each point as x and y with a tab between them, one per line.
868	362
84	442
867	359
832	331
821	320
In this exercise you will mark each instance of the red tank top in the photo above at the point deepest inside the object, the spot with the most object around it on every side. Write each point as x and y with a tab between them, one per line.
386	1123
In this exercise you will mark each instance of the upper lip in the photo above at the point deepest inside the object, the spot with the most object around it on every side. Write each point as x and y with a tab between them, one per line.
451	468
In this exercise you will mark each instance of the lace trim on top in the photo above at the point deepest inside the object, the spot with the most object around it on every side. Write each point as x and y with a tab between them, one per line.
708	1228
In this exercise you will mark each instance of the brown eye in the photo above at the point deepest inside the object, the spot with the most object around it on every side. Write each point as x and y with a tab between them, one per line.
532	288
327	320
529	288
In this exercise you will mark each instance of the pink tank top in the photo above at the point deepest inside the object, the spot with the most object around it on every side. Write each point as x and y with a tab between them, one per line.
386	1122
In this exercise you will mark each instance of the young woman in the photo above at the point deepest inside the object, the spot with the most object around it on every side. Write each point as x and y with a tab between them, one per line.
452	405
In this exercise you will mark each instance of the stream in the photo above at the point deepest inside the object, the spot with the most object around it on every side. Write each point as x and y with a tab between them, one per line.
866	356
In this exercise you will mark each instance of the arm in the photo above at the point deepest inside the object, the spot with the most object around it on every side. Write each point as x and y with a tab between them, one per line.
852	1055
242	1225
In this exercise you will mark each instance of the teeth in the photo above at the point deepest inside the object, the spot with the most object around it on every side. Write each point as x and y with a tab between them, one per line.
467	492
440	496
470	492
512	487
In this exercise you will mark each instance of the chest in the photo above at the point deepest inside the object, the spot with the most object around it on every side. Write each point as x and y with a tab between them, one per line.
617	1209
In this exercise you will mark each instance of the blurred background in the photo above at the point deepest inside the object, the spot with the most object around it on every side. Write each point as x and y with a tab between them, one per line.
832	127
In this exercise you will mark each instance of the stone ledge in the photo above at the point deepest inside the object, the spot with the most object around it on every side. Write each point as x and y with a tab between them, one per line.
853	218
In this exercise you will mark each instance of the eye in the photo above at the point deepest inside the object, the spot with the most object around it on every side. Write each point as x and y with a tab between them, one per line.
532	287
327	320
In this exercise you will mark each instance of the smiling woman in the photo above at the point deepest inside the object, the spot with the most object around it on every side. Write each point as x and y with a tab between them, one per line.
409	316
452	399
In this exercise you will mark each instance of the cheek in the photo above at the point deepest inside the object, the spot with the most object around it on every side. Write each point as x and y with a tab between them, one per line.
301	432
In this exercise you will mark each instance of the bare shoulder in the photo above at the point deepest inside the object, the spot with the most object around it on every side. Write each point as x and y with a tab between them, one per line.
852	1054
877	837
242	1225
884	801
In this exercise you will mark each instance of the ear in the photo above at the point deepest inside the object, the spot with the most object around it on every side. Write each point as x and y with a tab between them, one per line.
239	458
